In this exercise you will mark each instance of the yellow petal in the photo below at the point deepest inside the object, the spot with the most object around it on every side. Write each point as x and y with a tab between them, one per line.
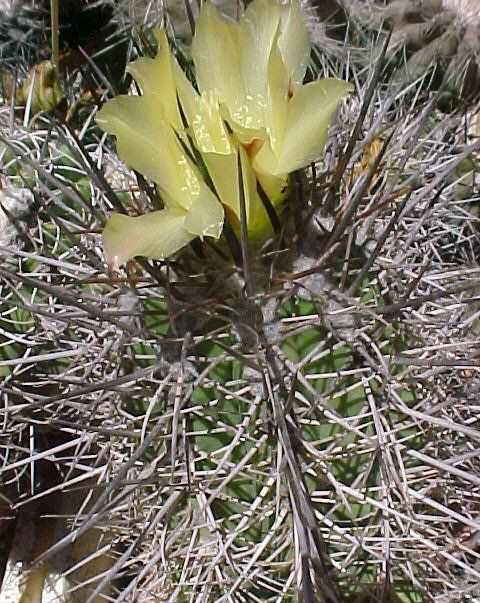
276	110
216	57
294	42
309	113
231	61
209	132
159	234
156	235
209	129
223	170
150	146
258	222
257	37
156	79
202	113
205	218
261	22
275	187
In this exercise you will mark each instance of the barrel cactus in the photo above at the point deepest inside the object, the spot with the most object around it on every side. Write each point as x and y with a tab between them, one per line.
284	417
438	34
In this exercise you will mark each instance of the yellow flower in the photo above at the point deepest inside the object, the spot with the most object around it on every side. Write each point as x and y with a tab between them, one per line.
43	84
252	120
256	68
152	139
220	152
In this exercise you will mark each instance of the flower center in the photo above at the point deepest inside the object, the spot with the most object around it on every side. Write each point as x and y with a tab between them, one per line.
253	147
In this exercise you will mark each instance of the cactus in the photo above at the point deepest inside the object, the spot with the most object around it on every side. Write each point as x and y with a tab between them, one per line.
430	34
300	428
